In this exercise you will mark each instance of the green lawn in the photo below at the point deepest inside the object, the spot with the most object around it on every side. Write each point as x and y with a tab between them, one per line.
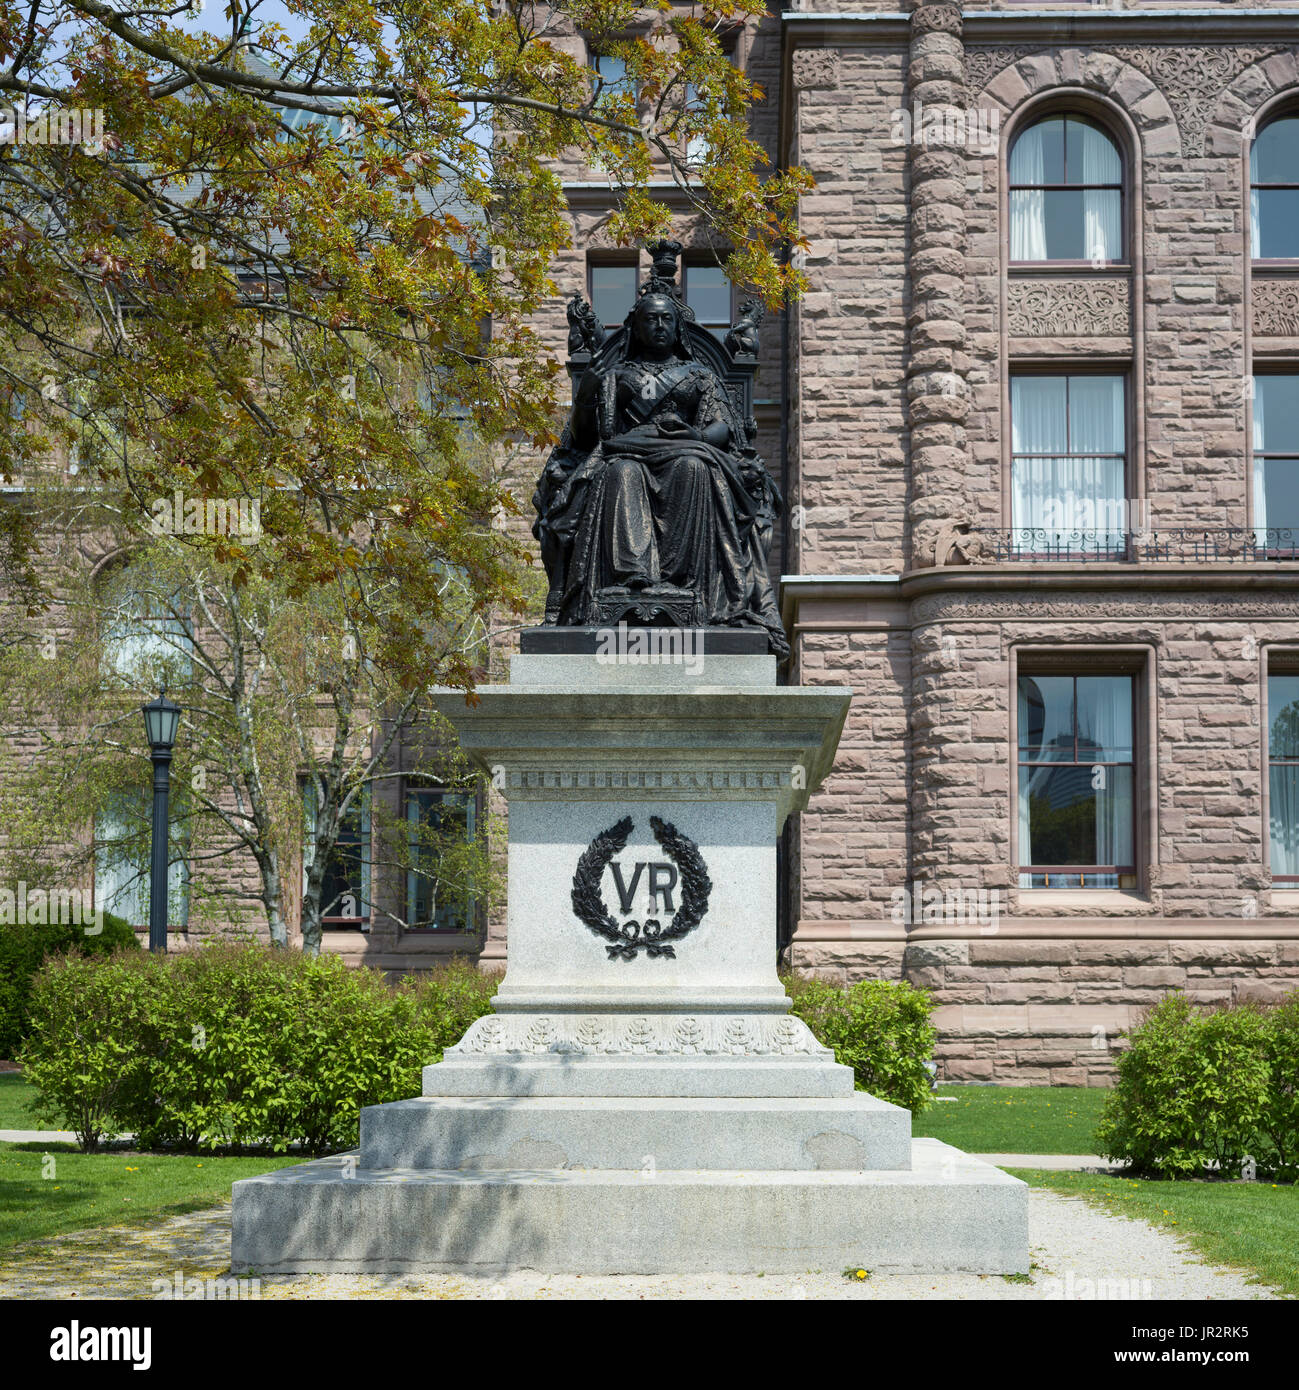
85	1190
1254	1226
1014	1119
15	1098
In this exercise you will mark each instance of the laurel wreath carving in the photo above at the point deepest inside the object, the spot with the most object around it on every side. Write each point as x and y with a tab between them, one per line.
627	941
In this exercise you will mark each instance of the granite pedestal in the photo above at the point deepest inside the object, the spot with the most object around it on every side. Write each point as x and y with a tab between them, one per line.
641	1101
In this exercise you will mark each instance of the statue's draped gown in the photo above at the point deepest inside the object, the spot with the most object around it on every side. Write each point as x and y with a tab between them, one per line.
639	507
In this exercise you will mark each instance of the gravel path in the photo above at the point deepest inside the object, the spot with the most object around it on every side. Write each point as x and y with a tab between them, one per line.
1079	1252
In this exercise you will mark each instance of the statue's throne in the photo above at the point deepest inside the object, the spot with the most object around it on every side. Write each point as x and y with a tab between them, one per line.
735	361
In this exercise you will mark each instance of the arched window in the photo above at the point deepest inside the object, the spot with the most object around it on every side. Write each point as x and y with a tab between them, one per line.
1066	193
1274	191
145	628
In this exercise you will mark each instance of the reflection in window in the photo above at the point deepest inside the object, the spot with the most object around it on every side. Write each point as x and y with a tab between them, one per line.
708	292
1283	776
1066	193
123	839
1076	773
345	887
1068	460
439	823
612	290
1276	458
1274	191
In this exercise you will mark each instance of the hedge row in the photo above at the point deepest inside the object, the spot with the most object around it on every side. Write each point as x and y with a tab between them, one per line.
1200	1092
234	1045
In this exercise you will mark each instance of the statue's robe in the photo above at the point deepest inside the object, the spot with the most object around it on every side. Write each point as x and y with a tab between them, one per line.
643	508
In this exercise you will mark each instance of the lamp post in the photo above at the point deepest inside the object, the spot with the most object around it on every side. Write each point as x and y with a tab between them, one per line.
161	717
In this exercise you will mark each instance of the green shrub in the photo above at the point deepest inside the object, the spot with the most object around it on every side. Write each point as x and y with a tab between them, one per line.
1194	1090
230	1045
449	997
1280	1118
23	949
879	1028
88	1018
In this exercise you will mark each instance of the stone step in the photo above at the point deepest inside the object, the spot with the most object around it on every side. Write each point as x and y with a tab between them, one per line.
560	1074
948	1211
854	1132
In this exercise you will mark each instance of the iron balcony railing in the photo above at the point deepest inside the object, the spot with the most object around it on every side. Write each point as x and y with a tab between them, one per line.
1239	545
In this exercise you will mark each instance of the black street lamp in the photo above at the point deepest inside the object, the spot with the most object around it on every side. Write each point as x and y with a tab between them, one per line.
161	716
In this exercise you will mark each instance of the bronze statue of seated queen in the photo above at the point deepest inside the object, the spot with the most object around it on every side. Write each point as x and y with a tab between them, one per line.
654	508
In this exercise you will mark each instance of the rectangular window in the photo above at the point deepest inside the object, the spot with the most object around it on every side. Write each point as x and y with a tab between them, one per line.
345	889
440	824
1276	462
1283	776
1068	464
708	292
612	289
612	72
1076	782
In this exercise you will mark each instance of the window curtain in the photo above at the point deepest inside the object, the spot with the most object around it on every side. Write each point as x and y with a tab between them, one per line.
1028	205
1081	417
122	879
1283	817
1102	207
1255	212
1260	463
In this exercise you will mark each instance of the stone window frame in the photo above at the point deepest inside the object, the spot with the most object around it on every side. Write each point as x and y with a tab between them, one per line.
1100	354
1093	656
696	259
614	258
1279	357
1284	107
1133	470
1043	110
447	938
1274	658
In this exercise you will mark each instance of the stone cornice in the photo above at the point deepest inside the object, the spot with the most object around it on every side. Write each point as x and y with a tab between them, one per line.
1220	23
1056	929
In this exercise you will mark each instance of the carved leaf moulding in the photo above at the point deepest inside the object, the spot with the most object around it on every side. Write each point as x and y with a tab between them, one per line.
815	68
1192	77
1275	305
1082	308
710	1035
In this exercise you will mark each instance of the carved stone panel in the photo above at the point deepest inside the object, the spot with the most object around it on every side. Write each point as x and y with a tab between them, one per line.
816	68
1276	308
1082	308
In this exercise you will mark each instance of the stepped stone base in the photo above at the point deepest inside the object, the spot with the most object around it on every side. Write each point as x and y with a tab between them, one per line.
853	1132
947	1212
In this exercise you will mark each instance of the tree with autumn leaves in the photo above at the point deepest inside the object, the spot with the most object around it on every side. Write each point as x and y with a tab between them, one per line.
300	269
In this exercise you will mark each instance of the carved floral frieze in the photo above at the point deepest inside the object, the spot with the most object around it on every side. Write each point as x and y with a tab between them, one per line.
1276	308
667	1035
1081	308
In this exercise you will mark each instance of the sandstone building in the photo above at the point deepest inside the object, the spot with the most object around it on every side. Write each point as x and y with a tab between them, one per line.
1037	425
1036	421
